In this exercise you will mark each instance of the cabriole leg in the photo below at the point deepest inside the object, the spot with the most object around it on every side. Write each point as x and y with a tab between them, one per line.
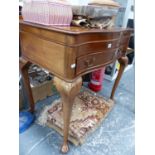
123	63
24	66
68	92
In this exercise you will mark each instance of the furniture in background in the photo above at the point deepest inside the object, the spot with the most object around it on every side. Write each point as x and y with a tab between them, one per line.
112	70
68	53
125	18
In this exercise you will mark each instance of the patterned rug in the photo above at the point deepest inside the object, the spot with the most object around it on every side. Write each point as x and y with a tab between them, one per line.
88	111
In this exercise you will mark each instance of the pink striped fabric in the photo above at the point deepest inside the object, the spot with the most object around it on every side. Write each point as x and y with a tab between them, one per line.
47	12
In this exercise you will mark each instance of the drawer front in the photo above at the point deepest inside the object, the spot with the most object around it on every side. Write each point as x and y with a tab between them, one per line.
91	61
97	46
85	38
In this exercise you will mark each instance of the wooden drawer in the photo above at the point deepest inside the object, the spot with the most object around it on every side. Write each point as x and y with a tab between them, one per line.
97	46
86	38
91	61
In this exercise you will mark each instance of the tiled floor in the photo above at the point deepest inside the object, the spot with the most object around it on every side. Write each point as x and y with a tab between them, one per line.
115	136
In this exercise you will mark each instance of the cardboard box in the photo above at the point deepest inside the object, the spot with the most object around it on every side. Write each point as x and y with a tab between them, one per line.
41	83
39	92
43	90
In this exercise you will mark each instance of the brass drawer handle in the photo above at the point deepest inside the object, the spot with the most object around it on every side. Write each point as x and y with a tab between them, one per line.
89	62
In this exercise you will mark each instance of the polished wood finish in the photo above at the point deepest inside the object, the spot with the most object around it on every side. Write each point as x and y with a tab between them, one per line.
68	91
99	46
72	30
88	62
69	53
24	66
20	17
46	46
123	63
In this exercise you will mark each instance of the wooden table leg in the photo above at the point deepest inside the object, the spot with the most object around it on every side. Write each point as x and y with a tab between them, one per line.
24	66
123	63
68	92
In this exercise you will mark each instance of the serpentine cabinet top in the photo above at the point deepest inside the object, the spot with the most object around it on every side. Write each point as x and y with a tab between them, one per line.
69	52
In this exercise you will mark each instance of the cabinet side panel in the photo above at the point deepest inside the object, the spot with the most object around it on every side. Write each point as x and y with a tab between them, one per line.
43	52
